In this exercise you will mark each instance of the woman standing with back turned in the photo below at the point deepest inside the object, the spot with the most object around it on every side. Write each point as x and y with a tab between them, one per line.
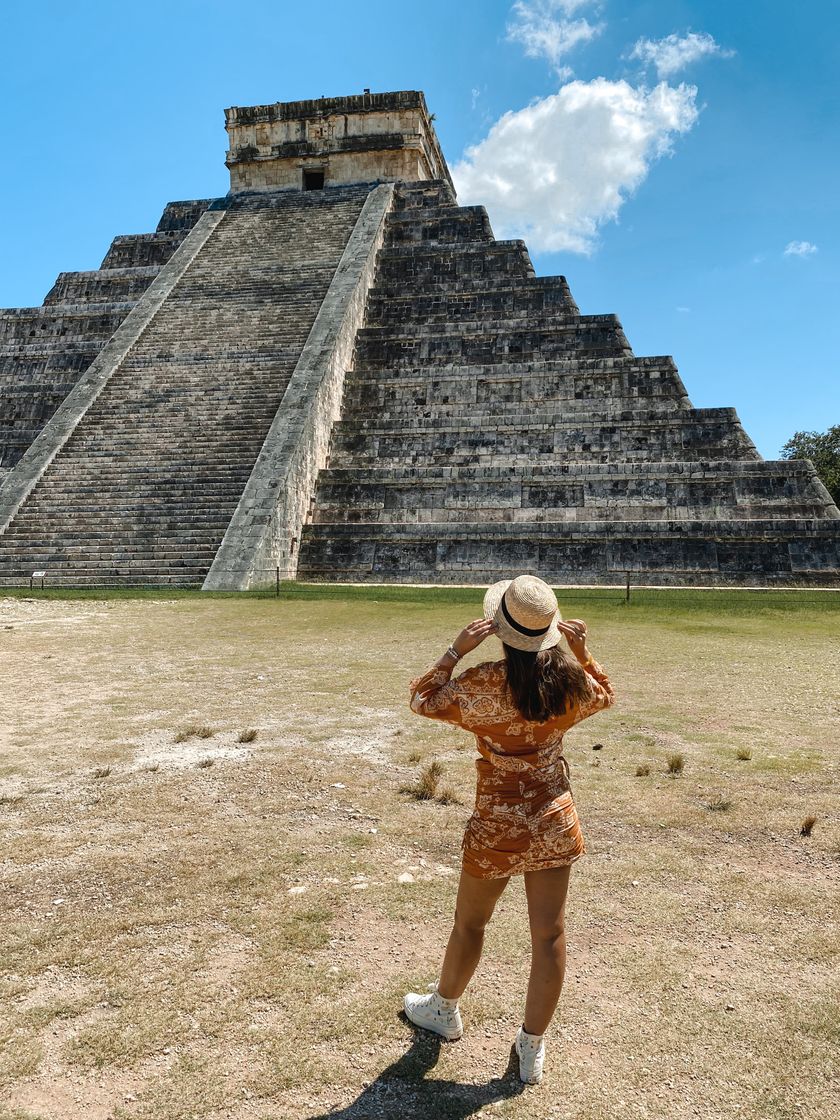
524	820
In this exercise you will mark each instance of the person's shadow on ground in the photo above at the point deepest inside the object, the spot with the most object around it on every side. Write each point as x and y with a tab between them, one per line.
401	1091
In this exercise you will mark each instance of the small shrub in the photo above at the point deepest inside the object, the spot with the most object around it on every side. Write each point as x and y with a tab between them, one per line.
744	754
676	764
205	763
807	826
426	786
102	771
720	804
448	796
11	799
414	756
642	770
248	736
194	731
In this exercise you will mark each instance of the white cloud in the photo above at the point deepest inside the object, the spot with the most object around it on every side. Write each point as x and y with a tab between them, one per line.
675	52
557	170
546	29
800	249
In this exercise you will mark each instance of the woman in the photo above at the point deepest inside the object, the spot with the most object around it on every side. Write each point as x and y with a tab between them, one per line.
524	820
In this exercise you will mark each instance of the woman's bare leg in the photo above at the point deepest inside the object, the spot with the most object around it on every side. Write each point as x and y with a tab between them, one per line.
474	907
546	893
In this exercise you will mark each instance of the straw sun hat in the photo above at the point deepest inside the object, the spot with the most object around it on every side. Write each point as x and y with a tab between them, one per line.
525	612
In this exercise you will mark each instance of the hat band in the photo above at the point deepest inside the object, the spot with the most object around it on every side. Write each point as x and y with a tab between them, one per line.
517	626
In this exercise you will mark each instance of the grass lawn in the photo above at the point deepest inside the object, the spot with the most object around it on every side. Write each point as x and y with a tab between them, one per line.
215	889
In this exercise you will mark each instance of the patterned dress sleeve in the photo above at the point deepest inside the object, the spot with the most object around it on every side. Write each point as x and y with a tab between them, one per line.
603	693
436	696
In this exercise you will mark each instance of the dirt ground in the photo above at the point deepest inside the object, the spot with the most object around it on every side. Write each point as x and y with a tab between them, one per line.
202	923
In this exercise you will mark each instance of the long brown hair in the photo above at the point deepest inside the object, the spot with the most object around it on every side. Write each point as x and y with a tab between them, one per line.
544	684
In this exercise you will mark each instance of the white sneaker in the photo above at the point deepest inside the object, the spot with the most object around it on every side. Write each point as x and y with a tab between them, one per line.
434	1013
531	1051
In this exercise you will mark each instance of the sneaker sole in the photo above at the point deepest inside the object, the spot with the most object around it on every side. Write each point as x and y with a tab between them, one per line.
450	1036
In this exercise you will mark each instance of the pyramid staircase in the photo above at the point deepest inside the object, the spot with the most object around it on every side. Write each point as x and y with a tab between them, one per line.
488	427
144	489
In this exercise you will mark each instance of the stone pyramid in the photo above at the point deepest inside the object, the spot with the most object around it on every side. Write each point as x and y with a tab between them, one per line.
337	373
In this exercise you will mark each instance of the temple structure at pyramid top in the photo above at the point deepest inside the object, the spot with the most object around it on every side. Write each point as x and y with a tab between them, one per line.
308	145
336	372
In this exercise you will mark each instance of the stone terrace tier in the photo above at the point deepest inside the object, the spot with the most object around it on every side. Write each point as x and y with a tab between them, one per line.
145	487
489	428
44	350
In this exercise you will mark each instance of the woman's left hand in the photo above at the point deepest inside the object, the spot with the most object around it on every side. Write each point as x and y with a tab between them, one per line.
473	635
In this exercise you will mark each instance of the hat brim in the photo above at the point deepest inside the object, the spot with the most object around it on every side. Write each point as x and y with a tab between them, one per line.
506	633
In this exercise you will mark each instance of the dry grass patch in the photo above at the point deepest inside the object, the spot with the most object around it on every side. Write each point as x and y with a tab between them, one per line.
720	804
194	731
743	754
247	736
807	826
425	786
675	764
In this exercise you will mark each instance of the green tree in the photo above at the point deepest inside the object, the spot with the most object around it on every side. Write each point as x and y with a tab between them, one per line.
823	449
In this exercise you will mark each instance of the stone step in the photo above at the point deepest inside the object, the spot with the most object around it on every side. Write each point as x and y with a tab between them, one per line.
155	507
422	196
561	406
101	530
515	416
448	225
592	339
767	473
471	387
529	420
735	551
617	509
183	215
409	264
51	319
115	285
687	435
59	352
563	492
139	249
502	300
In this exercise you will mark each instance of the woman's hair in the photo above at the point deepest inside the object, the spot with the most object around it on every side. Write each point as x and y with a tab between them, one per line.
544	684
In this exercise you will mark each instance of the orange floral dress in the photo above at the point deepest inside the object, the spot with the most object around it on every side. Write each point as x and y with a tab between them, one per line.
524	817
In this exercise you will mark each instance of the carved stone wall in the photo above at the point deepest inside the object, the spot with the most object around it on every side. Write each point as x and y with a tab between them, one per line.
369	138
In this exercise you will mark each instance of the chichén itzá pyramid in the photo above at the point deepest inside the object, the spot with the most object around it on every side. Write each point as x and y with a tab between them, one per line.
338	372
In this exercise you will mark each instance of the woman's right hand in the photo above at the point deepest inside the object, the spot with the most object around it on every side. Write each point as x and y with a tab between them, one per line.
574	631
473	635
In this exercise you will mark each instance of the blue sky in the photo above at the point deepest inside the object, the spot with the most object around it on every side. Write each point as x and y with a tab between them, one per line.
662	154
